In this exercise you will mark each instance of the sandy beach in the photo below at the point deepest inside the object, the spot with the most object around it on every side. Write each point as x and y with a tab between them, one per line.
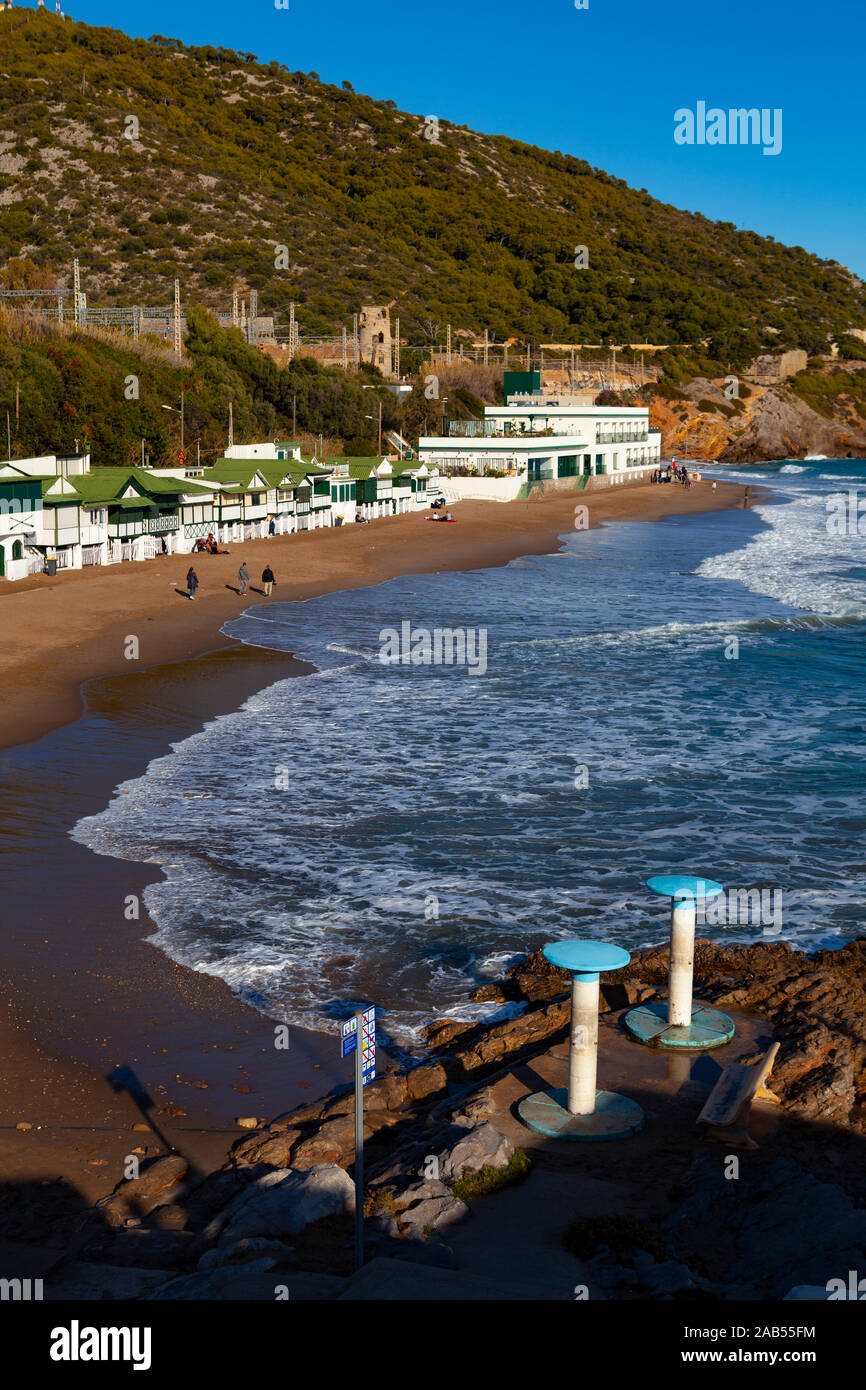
86	995
56	634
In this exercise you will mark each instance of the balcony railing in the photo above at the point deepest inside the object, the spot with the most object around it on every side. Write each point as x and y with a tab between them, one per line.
497	429
630	438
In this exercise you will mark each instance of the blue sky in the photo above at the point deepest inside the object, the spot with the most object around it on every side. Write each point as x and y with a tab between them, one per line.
601	83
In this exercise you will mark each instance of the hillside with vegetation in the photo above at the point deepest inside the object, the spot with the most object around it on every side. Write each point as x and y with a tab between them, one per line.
151	160
107	393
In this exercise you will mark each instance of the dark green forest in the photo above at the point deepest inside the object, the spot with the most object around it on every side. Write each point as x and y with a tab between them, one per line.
78	385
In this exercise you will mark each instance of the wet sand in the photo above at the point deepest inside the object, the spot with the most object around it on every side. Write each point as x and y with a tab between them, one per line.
86	994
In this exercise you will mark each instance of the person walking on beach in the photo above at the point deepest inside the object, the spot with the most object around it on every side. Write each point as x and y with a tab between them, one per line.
268	580
272	526
244	578
191	582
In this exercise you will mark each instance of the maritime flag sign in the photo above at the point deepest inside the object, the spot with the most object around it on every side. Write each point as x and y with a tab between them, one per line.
350	1037
363	1025
368	1045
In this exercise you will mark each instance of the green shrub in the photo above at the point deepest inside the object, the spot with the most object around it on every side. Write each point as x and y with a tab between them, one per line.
852	349
482	1182
668	391
622	1235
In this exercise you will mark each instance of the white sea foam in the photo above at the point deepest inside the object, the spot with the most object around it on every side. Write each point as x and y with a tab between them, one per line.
795	560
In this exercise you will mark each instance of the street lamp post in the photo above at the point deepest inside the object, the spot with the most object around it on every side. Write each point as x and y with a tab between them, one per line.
372	417
181	413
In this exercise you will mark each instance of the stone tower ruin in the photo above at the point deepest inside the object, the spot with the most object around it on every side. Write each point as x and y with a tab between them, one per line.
374	333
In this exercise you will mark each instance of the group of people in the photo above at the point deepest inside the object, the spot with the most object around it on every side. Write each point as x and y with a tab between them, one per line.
672	475
268	580
208	546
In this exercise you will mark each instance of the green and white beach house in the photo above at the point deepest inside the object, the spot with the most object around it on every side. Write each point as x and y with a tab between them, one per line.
58	507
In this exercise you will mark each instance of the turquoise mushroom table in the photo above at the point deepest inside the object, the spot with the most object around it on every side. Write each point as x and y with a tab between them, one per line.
582	1112
680	1023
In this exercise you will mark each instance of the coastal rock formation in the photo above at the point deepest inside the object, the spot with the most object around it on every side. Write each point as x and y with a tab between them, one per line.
771	422
324	1132
427	1206
785	1227
781	426
817	1005
159	1185
284	1202
481	1147
276	1209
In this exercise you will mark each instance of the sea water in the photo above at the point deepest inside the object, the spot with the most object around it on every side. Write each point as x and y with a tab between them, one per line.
677	696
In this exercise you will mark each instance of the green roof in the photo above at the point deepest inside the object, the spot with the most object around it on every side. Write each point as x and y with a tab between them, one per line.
363	467
175	486
134	504
104	485
242	471
225	472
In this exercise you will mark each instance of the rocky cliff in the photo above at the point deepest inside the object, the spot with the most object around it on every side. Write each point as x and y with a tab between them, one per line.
822	412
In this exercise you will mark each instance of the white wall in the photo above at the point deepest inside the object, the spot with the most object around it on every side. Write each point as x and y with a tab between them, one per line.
251	451
481	489
346	510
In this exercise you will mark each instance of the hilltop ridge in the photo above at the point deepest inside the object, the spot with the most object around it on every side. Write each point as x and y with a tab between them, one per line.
151	160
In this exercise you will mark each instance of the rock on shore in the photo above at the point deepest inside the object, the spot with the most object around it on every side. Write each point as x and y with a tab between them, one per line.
285	1195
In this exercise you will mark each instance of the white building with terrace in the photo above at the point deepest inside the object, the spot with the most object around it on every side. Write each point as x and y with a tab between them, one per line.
543	439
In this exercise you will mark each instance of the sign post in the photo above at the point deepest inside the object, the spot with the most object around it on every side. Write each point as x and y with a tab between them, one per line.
359	1036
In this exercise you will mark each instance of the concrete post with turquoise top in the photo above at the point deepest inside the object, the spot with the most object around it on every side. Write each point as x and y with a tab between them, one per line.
680	1024
682	962
583	1053
580	1111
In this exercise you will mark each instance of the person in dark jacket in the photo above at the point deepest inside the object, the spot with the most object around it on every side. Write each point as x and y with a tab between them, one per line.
191	582
268	580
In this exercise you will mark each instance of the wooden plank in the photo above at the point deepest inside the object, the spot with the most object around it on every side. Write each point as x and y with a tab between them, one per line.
726	1097
735	1090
